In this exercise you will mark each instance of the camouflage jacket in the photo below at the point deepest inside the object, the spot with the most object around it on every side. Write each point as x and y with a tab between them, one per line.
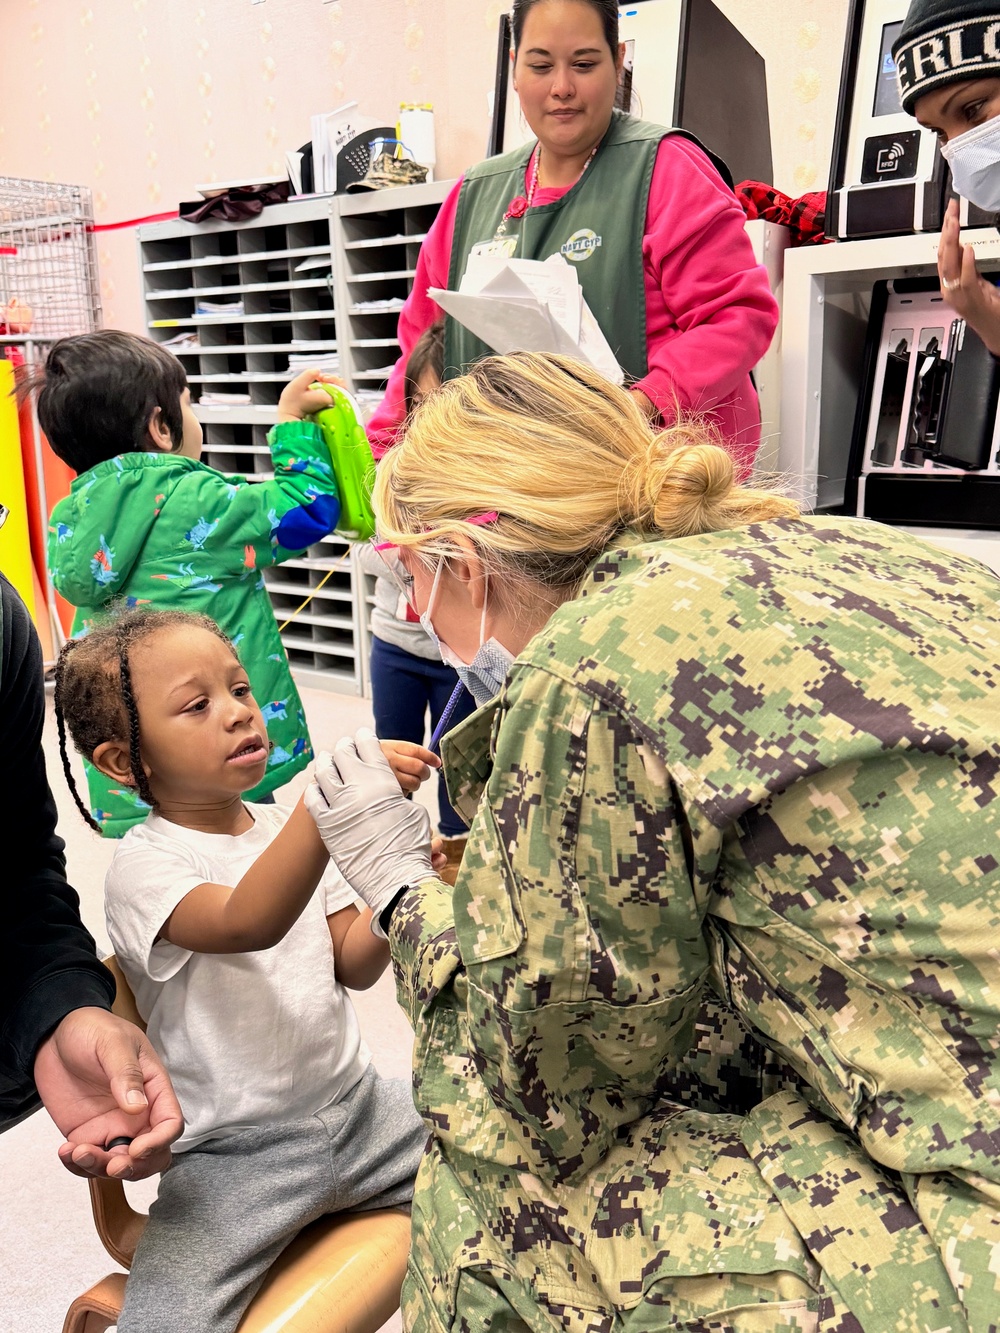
752	773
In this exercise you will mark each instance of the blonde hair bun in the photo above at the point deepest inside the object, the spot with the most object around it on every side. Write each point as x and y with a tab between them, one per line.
566	459
686	486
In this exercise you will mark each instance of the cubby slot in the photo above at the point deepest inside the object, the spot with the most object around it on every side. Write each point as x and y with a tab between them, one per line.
230	448
302	281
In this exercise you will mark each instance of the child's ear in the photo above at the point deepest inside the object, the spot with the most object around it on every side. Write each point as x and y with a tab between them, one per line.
158	433
112	758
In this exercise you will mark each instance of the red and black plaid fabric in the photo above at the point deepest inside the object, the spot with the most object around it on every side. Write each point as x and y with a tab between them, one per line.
803	217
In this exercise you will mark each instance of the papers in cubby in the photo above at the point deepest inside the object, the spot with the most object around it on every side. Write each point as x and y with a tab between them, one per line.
182	342
529	305
224	400
314	261
234	309
327	361
389	303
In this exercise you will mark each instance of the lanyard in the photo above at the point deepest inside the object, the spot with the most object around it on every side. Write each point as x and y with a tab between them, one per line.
519	206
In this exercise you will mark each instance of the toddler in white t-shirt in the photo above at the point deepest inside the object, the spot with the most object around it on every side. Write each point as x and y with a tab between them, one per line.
238	966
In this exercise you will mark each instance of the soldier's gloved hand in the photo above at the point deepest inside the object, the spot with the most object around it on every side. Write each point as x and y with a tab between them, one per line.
379	840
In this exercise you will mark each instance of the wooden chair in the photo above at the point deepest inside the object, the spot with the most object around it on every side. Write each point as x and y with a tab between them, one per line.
342	1274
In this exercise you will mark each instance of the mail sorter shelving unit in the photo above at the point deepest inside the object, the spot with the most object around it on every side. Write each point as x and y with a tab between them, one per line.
828	294
292	277
376	240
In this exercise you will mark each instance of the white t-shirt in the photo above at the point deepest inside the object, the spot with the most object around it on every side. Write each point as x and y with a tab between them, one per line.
248	1038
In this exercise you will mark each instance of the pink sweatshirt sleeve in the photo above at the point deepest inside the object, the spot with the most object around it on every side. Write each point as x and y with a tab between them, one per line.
417	315
710	314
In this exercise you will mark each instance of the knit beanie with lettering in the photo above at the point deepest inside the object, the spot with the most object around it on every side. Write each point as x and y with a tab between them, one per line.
946	41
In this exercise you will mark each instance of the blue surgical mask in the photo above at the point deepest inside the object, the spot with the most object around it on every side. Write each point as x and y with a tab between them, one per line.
974	158
484	676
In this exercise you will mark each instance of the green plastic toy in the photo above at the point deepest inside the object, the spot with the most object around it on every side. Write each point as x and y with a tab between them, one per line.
353	464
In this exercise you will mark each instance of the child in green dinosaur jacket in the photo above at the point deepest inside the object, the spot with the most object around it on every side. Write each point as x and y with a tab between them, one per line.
148	524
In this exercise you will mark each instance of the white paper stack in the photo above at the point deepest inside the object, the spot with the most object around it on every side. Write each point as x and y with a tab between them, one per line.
387	303
224	400
328	361
529	305
233	309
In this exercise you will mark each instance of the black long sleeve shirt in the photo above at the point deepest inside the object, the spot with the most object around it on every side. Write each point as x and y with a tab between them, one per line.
49	964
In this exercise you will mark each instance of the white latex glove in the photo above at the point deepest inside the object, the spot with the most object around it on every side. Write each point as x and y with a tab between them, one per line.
379	840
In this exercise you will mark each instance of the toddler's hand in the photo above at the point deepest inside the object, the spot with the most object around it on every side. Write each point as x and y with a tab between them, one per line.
439	857
411	764
299	400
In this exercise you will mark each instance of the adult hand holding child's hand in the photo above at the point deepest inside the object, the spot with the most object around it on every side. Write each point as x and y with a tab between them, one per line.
379	840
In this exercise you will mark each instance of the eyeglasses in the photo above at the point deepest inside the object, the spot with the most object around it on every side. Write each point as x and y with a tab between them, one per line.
397	571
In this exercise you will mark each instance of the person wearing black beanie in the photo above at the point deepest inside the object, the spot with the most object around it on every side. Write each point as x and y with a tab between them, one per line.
947	59
943	42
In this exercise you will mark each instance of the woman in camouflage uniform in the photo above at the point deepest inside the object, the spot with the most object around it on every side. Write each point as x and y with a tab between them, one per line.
741	754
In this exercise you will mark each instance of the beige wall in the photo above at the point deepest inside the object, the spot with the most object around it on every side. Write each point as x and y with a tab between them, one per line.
142	99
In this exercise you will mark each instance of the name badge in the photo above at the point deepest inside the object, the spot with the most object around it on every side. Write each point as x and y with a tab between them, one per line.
504	247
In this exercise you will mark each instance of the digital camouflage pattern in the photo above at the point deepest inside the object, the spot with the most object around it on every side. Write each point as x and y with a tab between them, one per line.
751	776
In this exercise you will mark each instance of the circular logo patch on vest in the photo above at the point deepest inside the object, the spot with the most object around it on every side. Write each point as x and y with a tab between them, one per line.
581	245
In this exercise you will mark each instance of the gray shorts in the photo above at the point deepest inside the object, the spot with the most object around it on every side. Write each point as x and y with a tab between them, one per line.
226	1209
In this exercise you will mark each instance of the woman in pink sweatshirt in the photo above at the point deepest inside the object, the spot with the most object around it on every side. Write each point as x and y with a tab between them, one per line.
655	231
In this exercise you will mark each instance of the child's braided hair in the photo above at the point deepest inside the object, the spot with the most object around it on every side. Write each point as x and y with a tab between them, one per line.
94	695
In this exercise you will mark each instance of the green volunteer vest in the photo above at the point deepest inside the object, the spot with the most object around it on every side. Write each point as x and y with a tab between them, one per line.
598	225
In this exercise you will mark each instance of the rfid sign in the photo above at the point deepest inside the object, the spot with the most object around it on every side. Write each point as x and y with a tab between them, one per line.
581	245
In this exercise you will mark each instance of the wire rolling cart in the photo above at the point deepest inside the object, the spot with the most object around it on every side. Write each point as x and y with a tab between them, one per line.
49	288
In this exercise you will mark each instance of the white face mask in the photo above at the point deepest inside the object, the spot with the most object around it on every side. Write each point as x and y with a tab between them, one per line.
974	158
484	676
